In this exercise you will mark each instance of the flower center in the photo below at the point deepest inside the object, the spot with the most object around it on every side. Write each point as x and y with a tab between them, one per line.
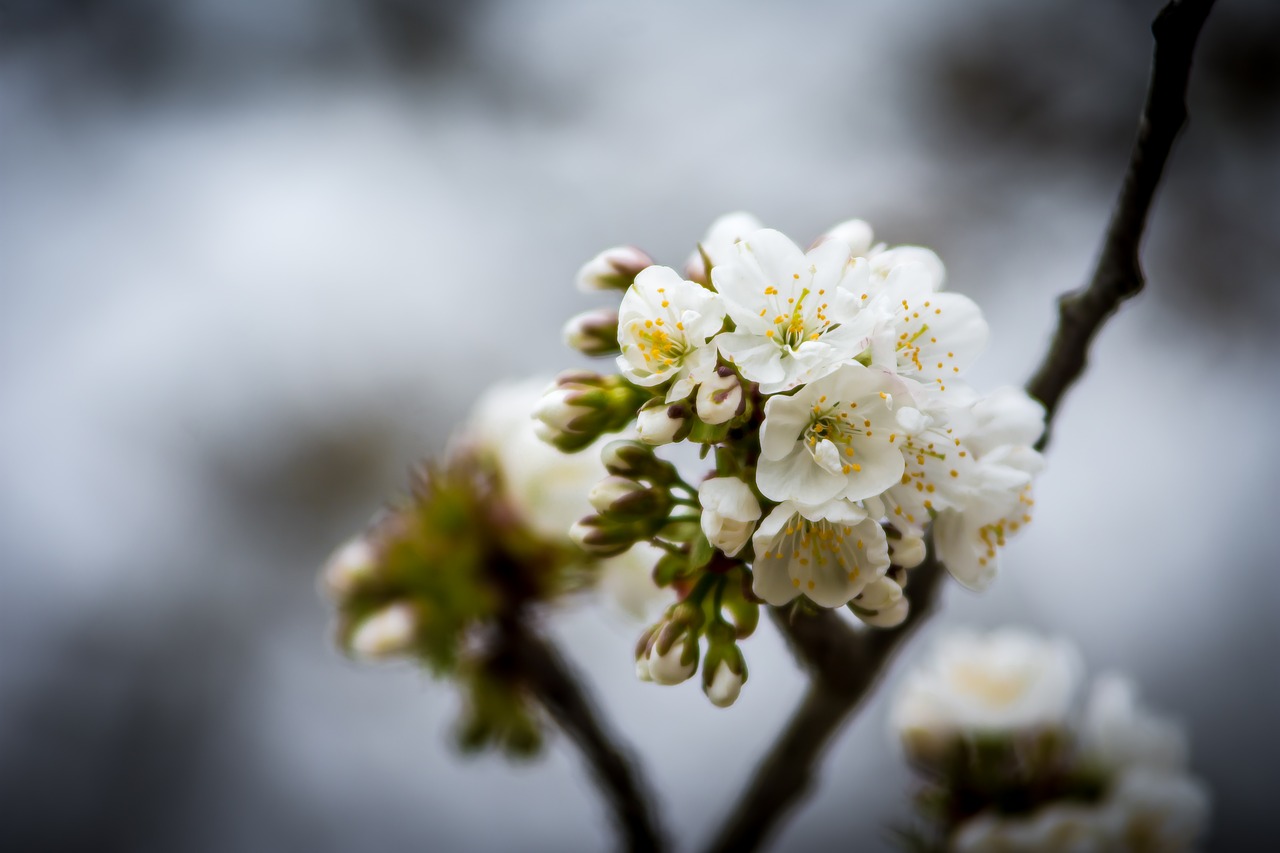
798	319
831	435
659	348
809	545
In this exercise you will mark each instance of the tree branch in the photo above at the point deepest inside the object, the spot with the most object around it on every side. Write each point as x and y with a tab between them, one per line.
1118	275
559	690
846	664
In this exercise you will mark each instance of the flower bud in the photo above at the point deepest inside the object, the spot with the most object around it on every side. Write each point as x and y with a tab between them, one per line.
593	332
677	664
658	423
633	459
724	686
350	566
729	513
624	498
612	269
856	233
386	633
907	552
581	405
879	594
720	398
604	537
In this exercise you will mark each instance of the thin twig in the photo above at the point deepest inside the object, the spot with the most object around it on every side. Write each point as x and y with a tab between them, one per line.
846	664
560	691
1118	275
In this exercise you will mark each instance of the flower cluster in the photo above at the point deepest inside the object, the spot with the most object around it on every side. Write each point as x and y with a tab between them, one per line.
829	385
444	575
1012	766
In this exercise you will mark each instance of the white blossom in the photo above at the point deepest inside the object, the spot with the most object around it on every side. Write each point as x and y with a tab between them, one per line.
798	316
664	323
729	513
833	438
719	242
828	552
856	233
1004	681
386	633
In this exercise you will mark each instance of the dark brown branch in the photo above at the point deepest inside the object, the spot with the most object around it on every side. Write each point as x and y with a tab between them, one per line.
559	690
846	664
1118	275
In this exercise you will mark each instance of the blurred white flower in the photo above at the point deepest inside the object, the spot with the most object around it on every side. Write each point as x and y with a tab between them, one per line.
829	553
1155	812
832	438
1058	828
548	488
1118	732
729	513
1002	682
798	316
627	581
664	324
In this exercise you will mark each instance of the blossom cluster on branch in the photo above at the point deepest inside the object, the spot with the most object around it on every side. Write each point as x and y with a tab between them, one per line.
1011	764
828	388
446	574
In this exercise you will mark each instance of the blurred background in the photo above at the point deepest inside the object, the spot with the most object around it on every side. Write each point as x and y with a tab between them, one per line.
257	258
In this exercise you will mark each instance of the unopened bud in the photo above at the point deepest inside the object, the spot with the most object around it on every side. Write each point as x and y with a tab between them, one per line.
627	458
879	594
593	332
658	423
907	552
720	398
388	632
612	269
677	664
350	566
603	537
580	406
724	686
626	499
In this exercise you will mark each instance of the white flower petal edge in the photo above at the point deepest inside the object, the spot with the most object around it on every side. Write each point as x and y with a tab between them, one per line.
796	314
719	242
836	437
1118	731
664	323
729	513
829	553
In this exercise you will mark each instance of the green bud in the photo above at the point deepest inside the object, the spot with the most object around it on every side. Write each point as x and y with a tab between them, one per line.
634	459
581	406
625	499
604	537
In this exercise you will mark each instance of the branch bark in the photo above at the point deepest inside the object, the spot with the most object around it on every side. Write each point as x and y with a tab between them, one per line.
1118	275
559	690
846	664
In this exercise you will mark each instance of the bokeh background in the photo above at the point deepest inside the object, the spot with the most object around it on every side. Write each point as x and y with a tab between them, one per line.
256	258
